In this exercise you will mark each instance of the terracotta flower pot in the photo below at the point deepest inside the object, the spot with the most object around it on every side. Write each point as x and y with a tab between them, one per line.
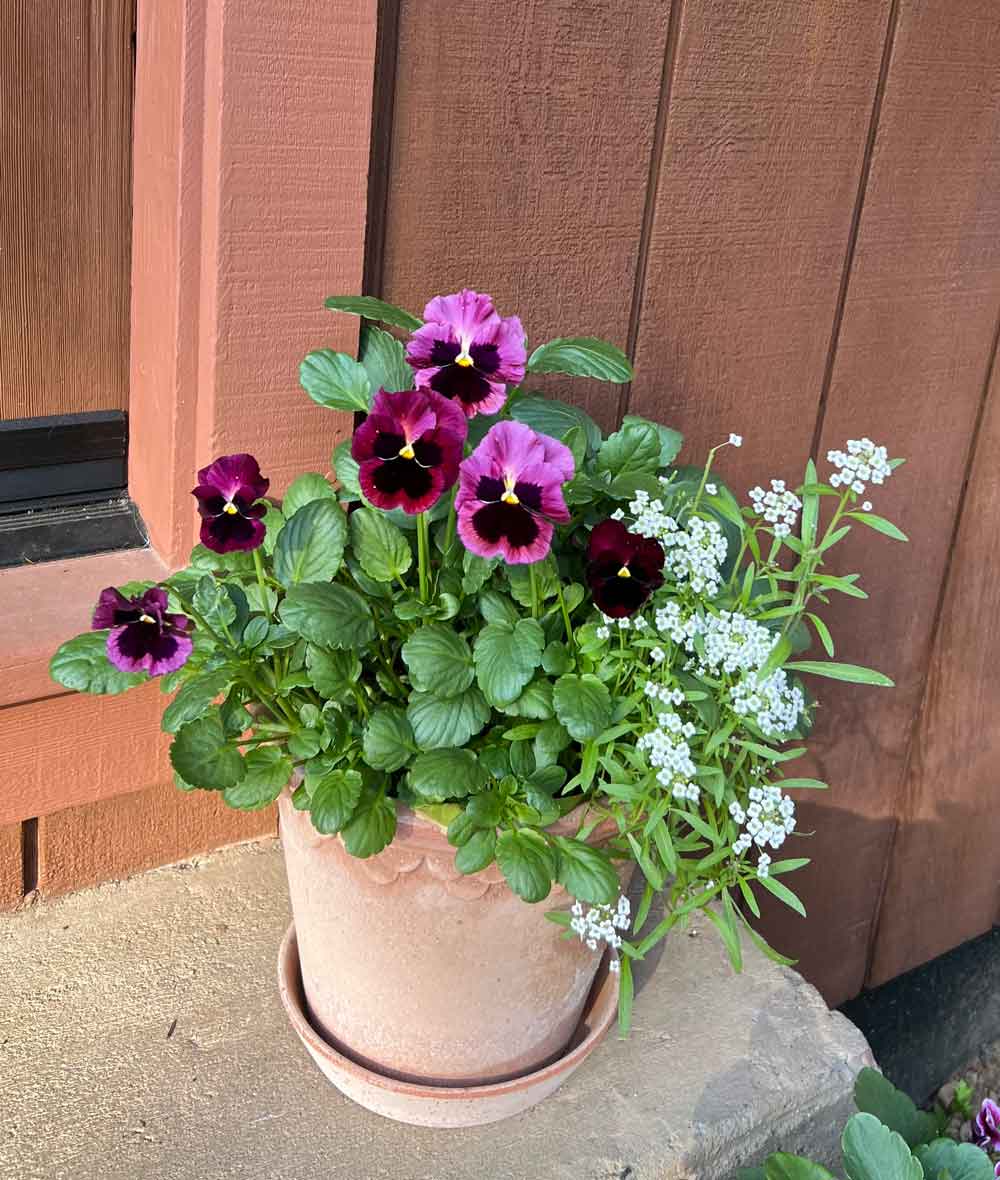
423	974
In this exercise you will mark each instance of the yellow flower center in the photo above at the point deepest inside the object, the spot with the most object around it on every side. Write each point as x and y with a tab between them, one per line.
230	509
406	452
146	619
464	360
624	572
509	497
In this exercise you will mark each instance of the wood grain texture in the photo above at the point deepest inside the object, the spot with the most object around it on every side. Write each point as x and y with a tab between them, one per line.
115	838
65	142
917	331
943	884
11	866
767	119
520	155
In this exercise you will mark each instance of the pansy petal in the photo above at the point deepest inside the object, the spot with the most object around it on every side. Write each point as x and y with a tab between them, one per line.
508	340
109	605
229	473
231	533
466	312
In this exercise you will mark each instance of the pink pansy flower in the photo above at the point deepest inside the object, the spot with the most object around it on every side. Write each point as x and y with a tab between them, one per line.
408	449
466	352
510	493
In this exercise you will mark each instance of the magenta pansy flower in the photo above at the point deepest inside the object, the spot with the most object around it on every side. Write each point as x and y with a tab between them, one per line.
510	493
143	636
623	568
466	352
227	494
986	1126
408	449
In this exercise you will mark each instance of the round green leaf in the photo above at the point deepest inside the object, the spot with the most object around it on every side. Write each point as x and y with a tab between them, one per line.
555	418
195	698
535	702
310	547
333	800
477	852
82	664
583	705
582	356
873	1152
438	724
439	661
671	441
346	467
556	659
383	551
437	775
388	739
372	826
335	380
267	773
200	755
959	1161
384	360
329	615
331	672
586	872
633	450
527	863
506	657
308	487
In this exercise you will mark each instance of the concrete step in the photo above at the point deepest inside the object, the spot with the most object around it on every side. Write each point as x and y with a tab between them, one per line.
142	1038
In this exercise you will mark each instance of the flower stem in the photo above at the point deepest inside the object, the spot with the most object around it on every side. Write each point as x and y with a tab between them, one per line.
533	582
565	616
258	566
422	554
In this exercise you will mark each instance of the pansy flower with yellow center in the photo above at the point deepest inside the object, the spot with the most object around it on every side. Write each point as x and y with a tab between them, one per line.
228	492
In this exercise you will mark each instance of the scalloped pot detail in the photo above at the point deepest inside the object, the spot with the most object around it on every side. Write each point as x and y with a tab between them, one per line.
403	957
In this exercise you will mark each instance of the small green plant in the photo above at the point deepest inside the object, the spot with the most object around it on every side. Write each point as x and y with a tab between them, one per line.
890	1139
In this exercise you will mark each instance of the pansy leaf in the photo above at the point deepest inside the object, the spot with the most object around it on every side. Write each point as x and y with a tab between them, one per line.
477	852
82	665
332	672
274	522
439	661
633	450
476	571
959	1161
309	486
436	775
546	581
875	1094
555	418
873	1152
582	356
506	657
311	545
214	604
535	702
346	468
382	550
372	826
444	723
195	698
586	872
671	441
388	739
333	800
202	756
335	380
781	1166
583	705
328	615
527	862
374	309
552	738
384	360
267	773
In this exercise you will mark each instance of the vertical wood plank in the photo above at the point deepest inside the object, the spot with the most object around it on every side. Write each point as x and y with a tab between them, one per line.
766	132
917	330
520	157
943	885
65	142
11	866
115	838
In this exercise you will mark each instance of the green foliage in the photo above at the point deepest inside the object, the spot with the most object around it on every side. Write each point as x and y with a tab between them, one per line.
373	309
506	656
333	800
303	490
384	360
335	380
388	741
203	756
81	665
873	1152
439	661
328	615
311	545
267	772
583	705
442	774
582	356
527	862
382	550
874	1094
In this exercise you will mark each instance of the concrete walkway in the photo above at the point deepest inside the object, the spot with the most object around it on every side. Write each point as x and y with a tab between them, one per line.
141	1038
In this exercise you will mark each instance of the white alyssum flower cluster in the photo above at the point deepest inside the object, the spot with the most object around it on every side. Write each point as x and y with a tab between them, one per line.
779	507
694	552
669	754
601	923
862	463
768	819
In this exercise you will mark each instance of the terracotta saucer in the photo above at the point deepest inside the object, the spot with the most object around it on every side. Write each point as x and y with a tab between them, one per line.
444	1106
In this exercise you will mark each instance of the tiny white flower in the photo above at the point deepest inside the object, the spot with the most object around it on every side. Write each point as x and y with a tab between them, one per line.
736	440
866	506
711	489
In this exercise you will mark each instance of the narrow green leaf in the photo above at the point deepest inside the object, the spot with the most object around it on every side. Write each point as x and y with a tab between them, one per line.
582	356
852	673
823	632
879	524
783	893
373	309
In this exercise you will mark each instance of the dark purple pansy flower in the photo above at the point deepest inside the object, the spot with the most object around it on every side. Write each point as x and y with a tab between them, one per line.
143	636
227	493
510	493
986	1126
623	569
408	449
466	352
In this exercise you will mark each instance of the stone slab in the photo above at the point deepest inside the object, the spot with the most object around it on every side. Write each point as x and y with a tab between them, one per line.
141	1036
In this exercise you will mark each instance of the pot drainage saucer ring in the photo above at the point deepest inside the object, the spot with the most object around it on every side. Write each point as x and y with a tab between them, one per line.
444	1106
